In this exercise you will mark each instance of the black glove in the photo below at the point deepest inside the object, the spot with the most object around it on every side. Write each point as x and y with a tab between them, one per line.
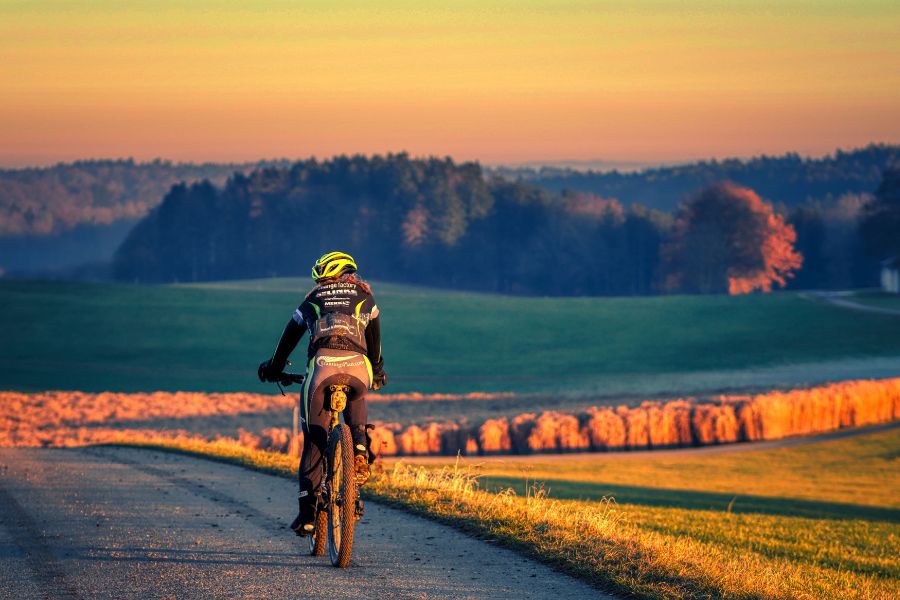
379	377
266	372
380	381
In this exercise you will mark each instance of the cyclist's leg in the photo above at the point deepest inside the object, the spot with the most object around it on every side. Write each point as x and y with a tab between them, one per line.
355	416
357	412
314	420
315	438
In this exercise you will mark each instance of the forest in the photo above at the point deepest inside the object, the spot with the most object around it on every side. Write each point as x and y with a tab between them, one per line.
789	179
438	223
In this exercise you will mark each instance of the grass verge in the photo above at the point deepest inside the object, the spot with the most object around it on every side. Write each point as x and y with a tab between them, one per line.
639	551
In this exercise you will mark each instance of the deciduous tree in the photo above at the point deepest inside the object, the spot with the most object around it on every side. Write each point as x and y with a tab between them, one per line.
726	239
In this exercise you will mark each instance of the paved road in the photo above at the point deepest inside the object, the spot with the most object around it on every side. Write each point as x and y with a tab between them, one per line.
129	523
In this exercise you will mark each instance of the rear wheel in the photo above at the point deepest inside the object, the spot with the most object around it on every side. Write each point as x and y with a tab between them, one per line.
318	540
342	496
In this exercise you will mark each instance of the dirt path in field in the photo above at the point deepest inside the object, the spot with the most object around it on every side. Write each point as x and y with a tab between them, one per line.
130	523
645	454
843	299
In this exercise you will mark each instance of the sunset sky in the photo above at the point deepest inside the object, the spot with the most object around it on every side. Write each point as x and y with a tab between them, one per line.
501	82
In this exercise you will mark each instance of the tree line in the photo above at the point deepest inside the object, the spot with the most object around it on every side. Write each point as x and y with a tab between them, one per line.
435	222
789	179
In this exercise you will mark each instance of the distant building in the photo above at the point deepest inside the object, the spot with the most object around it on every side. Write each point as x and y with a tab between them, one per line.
890	275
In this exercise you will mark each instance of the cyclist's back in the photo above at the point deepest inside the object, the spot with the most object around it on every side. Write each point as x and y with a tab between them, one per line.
344	348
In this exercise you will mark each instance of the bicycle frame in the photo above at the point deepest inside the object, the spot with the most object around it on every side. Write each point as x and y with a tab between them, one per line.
338	505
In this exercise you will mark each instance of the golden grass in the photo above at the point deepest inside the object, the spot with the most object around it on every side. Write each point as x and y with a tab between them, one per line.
676	423
607	545
76	418
860	471
71	418
645	552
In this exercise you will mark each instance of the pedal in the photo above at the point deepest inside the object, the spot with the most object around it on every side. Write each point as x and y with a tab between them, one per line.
360	509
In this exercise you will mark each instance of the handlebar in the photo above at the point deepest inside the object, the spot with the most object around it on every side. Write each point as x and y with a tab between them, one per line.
287	379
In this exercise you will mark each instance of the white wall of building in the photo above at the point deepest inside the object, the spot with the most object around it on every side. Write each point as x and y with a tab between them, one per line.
890	280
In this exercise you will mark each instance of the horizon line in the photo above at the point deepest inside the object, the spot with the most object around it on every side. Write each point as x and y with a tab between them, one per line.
575	164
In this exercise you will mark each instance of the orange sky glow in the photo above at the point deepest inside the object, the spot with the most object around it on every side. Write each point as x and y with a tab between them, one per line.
495	81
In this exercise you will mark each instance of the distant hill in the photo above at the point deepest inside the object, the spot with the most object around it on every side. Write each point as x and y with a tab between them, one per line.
427	221
59	217
789	179
50	200
64	254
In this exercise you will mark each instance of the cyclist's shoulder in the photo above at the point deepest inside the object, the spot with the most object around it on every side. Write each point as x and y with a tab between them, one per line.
337	296
307	299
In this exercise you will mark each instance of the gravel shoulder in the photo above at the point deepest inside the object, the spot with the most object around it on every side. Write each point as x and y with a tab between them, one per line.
129	523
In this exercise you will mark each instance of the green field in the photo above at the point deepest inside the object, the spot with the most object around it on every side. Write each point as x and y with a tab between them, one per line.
878	299
96	337
826	515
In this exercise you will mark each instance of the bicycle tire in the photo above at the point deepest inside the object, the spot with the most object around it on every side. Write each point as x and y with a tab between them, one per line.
319	538
342	496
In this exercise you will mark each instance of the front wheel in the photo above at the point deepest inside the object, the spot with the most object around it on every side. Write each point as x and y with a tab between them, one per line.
342	496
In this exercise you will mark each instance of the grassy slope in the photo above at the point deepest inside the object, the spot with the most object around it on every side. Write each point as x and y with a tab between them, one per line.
829	508
132	338
820	479
878	299
846	545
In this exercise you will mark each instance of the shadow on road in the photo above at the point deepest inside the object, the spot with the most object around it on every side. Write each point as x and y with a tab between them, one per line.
199	556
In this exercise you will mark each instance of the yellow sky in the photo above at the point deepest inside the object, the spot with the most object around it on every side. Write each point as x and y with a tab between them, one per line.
495	81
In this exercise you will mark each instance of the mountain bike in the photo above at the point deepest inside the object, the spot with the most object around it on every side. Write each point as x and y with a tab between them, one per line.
338	505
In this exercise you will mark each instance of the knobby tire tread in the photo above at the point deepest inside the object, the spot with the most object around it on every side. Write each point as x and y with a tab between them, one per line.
341	440
318	542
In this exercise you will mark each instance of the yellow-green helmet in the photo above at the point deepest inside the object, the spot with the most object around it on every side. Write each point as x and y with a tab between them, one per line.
333	265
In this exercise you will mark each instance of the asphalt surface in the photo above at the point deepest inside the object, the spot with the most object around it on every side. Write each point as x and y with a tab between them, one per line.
130	523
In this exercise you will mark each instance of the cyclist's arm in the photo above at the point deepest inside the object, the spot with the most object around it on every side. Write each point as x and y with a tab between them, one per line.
373	342
290	337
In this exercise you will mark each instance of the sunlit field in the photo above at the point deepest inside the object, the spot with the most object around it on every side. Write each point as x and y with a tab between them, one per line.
260	421
813	521
486	377
819	520
105	337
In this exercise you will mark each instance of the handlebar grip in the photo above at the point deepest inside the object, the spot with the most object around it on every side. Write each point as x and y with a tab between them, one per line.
290	378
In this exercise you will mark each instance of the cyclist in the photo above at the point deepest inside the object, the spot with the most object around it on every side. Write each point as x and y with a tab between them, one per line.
344	347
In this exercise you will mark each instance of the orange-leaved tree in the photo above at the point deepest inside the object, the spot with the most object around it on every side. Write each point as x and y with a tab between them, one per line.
726	239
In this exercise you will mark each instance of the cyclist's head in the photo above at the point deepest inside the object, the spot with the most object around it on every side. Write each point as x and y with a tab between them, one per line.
333	265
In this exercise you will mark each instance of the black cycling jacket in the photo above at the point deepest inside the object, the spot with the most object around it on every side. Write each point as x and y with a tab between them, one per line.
339	315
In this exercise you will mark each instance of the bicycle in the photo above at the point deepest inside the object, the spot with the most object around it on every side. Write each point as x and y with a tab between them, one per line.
338	505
